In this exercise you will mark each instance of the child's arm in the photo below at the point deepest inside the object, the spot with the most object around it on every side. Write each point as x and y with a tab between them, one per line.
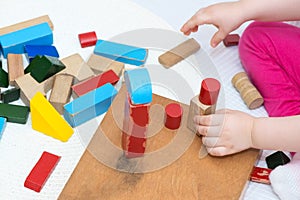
230	15
230	131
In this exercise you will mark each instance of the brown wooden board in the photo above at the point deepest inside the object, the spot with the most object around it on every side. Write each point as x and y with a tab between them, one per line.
170	169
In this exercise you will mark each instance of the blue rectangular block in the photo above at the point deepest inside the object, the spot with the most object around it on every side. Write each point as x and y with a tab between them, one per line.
90	105
2	126
138	84
41	50
14	42
121	52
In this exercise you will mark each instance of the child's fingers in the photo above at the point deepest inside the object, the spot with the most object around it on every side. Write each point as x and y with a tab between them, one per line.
209	120
217	151
210	142
218	37
208	131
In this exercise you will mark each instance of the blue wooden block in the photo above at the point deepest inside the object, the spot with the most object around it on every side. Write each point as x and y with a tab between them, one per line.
2	126
90	105
138	85
121	52
14	42
40	50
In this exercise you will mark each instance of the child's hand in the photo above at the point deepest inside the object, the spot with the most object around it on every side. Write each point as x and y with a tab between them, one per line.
226	132
225	16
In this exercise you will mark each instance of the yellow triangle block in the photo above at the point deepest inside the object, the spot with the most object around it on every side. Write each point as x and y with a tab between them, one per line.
47	120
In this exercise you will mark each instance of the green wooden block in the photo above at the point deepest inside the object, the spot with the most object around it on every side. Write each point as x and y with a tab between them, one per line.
10	95
43	67
3	78
14	113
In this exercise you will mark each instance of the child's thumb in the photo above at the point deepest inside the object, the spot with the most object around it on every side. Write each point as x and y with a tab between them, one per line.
217	38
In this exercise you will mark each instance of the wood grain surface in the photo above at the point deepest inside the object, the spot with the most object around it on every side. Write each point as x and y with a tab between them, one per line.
170	169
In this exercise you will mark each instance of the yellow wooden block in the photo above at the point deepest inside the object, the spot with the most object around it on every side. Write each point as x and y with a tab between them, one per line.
47	120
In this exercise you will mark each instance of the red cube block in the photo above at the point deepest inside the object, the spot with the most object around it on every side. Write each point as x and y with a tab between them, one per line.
87	39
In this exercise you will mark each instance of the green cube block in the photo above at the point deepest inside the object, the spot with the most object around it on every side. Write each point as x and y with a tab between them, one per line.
10	95
3	78
276	159
43	67
14	113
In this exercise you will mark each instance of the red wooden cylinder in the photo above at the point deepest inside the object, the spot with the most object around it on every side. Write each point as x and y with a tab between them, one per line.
173	114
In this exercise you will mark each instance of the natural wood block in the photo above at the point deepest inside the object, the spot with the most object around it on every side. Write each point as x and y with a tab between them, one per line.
47	120
15	67
247	90
77	67
29	87
186	177
197	108
61	91
179	53
100	64
25	24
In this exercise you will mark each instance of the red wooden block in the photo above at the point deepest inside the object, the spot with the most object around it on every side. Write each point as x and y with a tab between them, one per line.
41	171
87	39
91	84
209	92
135	127
260	175
231	40
173	114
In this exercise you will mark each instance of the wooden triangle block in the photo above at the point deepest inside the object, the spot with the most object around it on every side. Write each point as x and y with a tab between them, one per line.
47	120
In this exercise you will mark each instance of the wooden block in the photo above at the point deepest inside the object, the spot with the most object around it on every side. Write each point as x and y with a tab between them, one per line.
26	24
247	90
179	53
40	50
100	64
43	67
61	91
121	52
138	85
14	113
41	171
40	34
260	175
87	39
135	128
47	120
29	87
231	40
90	105
10	95
77	67
97	81
15	67
3	78
276	159
173	115
2	126
205	102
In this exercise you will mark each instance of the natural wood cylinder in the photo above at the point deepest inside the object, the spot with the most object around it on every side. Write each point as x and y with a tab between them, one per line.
247	90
